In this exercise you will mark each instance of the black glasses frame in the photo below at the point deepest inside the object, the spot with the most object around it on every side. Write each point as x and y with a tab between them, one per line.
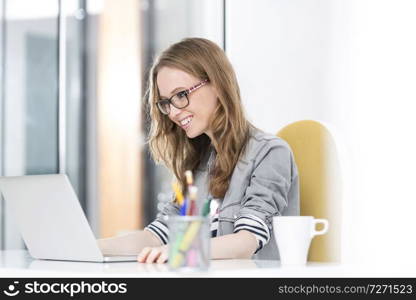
163	102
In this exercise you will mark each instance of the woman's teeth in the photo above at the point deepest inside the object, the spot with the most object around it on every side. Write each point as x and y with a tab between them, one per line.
186	121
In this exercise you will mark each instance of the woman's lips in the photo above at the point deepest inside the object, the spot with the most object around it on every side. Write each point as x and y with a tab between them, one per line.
186	123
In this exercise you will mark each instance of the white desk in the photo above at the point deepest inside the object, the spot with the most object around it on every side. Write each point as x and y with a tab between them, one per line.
18	263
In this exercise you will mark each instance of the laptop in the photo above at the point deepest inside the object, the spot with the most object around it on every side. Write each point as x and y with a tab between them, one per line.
51	220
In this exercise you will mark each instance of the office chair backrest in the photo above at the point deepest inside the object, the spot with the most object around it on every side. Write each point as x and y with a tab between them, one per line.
320	183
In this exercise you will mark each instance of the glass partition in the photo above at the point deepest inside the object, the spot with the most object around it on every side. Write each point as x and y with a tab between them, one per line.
48	106
166	22
30	100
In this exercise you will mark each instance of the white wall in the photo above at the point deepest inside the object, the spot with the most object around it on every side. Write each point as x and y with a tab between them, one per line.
175	20
351	64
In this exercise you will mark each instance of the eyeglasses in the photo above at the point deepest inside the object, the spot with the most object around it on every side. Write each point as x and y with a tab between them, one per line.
179	100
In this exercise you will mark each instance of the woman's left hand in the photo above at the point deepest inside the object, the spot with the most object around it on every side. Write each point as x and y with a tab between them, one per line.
153	255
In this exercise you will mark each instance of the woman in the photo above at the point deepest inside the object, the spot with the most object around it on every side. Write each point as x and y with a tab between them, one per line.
198	124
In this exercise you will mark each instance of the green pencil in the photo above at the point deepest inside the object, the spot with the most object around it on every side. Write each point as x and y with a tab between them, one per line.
206	207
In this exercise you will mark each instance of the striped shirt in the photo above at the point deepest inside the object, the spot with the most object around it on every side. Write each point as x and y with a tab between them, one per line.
250	223
264	183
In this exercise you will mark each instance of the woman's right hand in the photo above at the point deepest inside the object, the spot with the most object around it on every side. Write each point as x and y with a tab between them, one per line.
153	255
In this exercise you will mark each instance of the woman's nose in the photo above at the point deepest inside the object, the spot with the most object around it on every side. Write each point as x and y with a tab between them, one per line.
174	111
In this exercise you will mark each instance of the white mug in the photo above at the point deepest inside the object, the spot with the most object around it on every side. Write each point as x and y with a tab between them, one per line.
293	236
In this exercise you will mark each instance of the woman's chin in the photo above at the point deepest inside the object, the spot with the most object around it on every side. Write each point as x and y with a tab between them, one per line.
192	134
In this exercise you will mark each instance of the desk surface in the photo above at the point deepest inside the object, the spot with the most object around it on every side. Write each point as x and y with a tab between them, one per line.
18	263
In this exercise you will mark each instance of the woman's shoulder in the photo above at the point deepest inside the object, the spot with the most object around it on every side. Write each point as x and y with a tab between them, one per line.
260	139
269	150
262	144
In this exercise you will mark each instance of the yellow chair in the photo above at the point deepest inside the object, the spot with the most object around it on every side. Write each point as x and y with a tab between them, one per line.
316	157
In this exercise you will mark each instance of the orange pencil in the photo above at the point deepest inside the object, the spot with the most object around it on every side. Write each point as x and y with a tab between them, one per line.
178	193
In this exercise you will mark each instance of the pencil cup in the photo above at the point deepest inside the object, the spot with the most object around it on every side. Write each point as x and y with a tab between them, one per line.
189	243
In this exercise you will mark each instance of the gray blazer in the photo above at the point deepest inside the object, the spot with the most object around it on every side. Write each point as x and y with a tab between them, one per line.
264	183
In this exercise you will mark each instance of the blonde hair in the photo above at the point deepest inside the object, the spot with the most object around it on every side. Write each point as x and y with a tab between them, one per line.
169	144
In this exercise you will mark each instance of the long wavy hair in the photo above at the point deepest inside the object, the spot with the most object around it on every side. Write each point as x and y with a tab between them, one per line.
169	144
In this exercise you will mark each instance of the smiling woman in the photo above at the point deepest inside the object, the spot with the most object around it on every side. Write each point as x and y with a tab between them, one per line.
198	111
214	110
198	124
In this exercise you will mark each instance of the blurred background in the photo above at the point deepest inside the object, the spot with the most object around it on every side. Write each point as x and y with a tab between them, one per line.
73	74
